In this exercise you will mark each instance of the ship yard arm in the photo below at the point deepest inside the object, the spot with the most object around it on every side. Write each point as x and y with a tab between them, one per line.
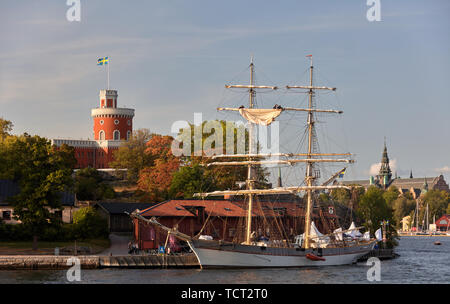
279	190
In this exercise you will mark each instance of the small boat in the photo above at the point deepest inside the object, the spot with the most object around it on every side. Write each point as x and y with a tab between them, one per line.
314	257
437	243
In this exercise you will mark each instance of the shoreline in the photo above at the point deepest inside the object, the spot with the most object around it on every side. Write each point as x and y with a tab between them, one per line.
58	262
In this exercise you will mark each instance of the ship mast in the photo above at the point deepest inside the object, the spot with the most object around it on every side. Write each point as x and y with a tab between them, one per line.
253	158
309	177
251	148
250	174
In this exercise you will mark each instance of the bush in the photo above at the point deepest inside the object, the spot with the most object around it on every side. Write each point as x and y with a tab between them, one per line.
88	224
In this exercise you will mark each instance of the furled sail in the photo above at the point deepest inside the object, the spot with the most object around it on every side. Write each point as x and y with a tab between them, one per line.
260	116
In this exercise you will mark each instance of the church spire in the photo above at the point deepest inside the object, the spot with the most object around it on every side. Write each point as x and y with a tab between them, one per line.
385	173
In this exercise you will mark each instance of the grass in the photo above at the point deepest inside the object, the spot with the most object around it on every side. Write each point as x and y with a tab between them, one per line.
25	247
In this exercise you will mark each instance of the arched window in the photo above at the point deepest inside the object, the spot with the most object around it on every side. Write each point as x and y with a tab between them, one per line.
116	135
128	134
101	135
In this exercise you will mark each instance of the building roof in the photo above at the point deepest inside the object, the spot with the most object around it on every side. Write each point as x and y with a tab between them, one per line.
122	207
416	182
9	188
443	221
180	208
224	208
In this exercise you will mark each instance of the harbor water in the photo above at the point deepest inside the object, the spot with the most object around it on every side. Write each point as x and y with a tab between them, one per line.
420	262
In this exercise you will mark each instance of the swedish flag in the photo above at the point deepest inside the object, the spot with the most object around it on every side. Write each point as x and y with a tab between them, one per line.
102	61
341	173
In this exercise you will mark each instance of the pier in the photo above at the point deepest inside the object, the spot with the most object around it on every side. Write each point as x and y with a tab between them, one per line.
93	262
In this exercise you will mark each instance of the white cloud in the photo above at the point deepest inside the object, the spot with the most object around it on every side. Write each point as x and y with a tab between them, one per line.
445	169
375	168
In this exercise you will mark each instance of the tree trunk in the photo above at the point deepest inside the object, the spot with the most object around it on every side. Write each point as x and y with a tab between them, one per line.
35	243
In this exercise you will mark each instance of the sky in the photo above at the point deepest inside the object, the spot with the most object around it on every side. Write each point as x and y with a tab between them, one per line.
171	59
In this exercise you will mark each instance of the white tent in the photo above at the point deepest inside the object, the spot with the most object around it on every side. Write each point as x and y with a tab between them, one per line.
366	235
317	237
354	233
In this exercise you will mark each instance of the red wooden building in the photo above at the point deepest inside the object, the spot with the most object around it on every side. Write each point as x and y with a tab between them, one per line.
221	219
443	223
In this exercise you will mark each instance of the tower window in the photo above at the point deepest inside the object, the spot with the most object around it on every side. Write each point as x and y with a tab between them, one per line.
116	122
128	134
116	135
129	122
101	135
102	122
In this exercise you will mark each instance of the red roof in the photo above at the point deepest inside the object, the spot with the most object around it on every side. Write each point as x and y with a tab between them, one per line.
443	221
225	208
180	208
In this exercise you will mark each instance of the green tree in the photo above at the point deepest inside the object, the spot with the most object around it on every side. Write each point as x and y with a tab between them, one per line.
189	180
214	141
5	127
391	195
341	196
89	224
437	202
374	209
403	207
131	155
89	185
42	172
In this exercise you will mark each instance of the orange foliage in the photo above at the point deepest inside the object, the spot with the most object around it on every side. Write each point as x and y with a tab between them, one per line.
156	180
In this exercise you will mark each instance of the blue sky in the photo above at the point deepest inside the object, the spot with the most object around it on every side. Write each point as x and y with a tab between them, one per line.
170	59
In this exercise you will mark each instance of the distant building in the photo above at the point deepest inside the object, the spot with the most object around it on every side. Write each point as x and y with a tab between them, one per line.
406	223
114	213
112	127
443	223
415	186
9	188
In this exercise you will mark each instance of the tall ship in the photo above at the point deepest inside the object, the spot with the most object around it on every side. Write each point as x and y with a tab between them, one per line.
312	248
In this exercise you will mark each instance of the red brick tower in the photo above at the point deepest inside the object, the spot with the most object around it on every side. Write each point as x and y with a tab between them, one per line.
111	122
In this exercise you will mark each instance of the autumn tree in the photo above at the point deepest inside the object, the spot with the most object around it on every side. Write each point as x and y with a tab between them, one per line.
132	156
155	179
42	172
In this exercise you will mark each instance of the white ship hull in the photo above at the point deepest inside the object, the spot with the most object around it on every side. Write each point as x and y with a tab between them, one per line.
287	257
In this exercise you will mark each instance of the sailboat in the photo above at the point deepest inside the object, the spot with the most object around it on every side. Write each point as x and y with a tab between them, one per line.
310	249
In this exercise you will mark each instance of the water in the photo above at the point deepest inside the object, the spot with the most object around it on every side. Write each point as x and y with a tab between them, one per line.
420	261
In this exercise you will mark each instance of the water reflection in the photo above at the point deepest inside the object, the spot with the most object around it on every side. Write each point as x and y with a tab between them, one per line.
420	261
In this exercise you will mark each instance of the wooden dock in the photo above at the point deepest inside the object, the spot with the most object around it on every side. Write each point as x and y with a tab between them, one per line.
16	262
149	261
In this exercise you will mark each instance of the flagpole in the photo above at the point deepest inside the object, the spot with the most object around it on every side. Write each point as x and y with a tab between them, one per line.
108	63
